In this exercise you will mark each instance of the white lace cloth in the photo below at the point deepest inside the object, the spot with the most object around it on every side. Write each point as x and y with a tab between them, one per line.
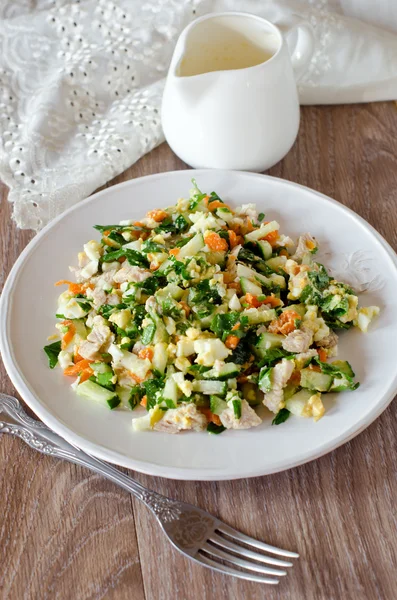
81	84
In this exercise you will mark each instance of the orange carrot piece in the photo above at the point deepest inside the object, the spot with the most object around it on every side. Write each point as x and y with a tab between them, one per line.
252	300
232	341
77	358
146	353
215	242
210	416
285	323
86	374
174	251
143	402
322	354
67	338
158	215
232	239
272	300
135	377
185	307
272	237
74	370
217	204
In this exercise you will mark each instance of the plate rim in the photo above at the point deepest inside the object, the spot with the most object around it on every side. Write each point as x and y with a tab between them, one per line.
150	468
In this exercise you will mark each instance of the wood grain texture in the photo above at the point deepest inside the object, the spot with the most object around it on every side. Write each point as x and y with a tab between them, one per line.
66	533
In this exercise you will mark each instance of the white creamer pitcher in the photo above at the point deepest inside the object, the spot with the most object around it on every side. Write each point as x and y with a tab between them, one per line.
230	99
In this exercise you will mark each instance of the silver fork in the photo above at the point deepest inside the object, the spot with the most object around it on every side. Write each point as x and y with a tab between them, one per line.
194	532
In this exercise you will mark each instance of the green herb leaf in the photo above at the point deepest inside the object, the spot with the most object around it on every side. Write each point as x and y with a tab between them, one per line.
152	386
261	216
265	382
151	246
237	408
52	351
181	224
215	429
104	379
148	333
281	416
134	258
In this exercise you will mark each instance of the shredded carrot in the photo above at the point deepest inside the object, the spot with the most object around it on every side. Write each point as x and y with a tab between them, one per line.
232	239
236	326
77	358
249	226
146	353
205	200
185	307
232	341
143	402
215	242
62	282
67	338
322	354
135	377
285	323
174	251
86	374
139	224
315	368
214	204
153	266
272	300
158	215
251	300
228	277
77	368
284	252
235	286
272	237
106	232
295	378
210	416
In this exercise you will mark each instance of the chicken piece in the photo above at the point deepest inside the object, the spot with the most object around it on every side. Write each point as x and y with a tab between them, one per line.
306	244
113	299
301	360
274	400
184	417
106	280
97	295
298	341
329	341
99	337
151	305
89	350
248	418
131	273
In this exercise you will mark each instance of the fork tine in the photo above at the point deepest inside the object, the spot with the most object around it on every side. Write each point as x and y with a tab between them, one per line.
241	537
212	564
238	562
225	543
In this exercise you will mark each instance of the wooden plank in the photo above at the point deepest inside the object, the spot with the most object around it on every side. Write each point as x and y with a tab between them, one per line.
67	533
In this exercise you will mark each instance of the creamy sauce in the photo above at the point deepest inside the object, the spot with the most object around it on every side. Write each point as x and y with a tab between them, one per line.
237	53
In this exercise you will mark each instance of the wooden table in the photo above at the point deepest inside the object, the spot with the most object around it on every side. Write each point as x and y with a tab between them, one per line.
67	533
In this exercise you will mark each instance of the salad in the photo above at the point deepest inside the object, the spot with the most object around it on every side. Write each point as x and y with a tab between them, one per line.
200	313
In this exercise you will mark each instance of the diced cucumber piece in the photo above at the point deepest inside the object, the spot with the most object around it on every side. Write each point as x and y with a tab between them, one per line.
344	367
278	280
250	392
172	290
100	367
217	388
89	389
192	247
161	333
170	390
296	403
215	258
265	249
227	371
256	316
262	232
128	396
225	214
136	245
299	308
269	340
249	287
168	264
315	381
217	405
290	390
160	356
277	262
274	279
81	329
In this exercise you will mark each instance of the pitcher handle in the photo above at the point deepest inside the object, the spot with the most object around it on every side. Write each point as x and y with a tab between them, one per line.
302	53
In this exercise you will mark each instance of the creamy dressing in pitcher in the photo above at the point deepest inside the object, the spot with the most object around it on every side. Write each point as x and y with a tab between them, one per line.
236	53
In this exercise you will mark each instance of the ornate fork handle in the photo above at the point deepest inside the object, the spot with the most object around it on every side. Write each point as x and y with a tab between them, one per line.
39	437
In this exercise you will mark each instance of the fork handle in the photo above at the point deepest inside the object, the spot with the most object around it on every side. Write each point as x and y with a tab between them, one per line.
39	437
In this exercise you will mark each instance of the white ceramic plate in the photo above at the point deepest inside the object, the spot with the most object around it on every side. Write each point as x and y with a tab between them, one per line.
349	245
